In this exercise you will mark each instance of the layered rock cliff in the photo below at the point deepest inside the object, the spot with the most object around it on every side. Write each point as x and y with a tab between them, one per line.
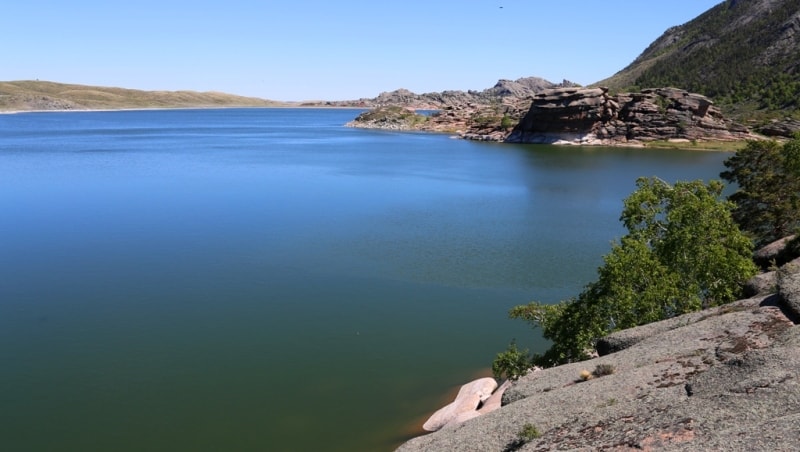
593	116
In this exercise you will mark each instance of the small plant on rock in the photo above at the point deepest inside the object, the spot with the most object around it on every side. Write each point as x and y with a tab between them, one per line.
512	363
603	370
528	433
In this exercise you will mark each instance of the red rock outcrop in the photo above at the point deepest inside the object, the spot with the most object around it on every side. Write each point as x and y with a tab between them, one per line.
593	116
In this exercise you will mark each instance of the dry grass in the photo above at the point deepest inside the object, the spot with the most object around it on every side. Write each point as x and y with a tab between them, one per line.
730	146
40	95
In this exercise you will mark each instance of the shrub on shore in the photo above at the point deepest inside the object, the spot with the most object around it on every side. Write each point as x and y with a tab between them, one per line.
512	363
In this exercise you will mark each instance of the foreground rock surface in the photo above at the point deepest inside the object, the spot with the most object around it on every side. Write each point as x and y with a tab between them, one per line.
726	378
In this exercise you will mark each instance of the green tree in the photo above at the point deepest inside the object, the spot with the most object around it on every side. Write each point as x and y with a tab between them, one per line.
768	196
512	363
683	252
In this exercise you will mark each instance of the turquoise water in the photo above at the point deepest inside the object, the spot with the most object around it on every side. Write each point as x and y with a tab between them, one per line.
266	279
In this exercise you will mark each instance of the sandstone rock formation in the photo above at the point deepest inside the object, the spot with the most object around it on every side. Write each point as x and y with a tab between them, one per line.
726	378
565	115
487	115
592	116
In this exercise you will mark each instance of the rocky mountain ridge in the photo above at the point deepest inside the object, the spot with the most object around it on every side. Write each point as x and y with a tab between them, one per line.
504	91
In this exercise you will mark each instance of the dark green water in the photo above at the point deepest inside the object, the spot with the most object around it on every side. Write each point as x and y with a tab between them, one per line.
267	279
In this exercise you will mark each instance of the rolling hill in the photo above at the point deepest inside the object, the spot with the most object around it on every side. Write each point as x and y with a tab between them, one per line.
42	95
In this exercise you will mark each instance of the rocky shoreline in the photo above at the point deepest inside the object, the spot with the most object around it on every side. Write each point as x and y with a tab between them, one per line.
726	378
573	115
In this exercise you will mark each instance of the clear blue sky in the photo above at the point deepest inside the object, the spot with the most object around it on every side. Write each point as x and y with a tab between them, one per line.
328	49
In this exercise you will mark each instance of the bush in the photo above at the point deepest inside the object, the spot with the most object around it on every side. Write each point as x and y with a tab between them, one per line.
528	433
512	363
602	370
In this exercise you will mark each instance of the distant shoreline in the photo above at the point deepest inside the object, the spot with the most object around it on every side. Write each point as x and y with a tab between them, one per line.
219	107
44	96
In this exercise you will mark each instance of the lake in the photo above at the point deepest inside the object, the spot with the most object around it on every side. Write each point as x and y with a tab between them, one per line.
267	279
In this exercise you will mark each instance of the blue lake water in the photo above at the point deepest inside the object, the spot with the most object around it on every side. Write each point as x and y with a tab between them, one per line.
267	279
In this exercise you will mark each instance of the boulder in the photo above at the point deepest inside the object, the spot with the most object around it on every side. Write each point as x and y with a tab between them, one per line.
771	253
762	283
465	406
781	128
495	400
789	288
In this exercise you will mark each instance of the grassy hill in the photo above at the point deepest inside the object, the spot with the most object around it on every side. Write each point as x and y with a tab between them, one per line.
40	95
741	53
